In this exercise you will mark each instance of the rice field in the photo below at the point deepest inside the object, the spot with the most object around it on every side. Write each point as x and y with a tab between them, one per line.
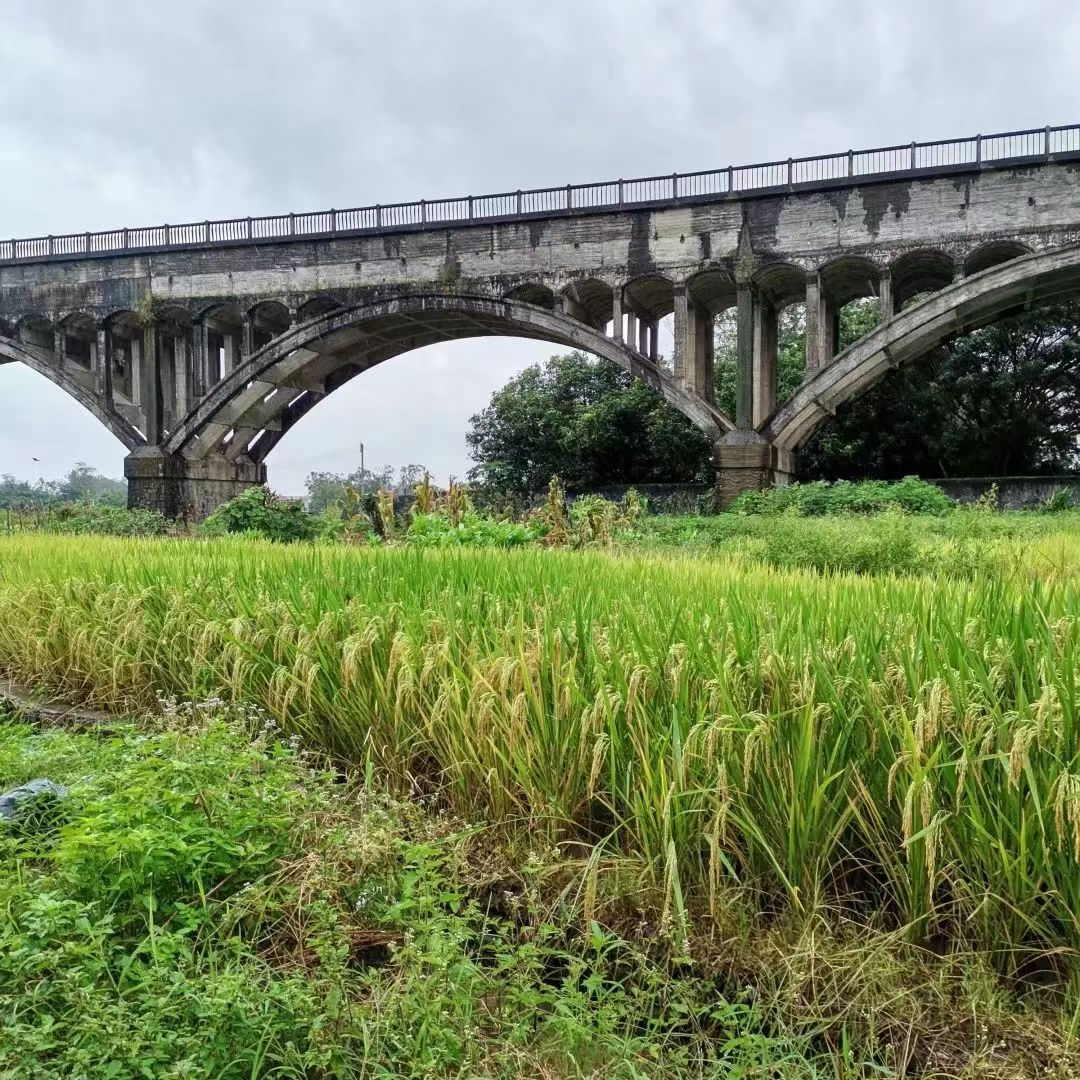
901	748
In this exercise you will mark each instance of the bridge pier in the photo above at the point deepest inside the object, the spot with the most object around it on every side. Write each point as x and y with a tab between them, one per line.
182	488
745	461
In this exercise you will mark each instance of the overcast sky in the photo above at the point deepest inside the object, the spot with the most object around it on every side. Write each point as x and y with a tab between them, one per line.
125	113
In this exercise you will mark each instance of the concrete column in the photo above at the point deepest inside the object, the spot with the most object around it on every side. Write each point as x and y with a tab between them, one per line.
683	361
200	360
643	335
885	296
103	362
58	347
820	338
229	343
744	461
704	379
744	407
135	374
185	489
654	340
150	379
247	337
763	375
616	313
631	329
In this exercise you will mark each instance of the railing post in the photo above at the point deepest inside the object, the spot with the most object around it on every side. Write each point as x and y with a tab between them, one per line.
569	198
87	243
519	201
731	178
168	233
378	216
978	149
333	221
206	231
423	211
470	208
675	186
790	171
913	155
620	192
50	245
851	163
127	242
1046	142
292	223
249	228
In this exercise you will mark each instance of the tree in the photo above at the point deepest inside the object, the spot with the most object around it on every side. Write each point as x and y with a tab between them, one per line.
586	421
1003	400
81	484
326	488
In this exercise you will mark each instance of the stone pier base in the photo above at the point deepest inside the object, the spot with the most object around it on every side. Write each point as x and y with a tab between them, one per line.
744	461
183	489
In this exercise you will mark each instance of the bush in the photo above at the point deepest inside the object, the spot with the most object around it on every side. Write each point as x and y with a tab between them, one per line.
103	520
820	498
259	512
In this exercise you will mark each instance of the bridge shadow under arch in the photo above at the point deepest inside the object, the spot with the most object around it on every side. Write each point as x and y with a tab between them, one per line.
246	414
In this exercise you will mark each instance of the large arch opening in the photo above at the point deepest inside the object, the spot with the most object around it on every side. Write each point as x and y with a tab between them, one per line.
253	408
1014	286
52	422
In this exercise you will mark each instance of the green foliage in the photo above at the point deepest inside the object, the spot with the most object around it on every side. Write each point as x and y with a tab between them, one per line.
843	497
1003	400
327	489
473	530
588	422
259	512
82	484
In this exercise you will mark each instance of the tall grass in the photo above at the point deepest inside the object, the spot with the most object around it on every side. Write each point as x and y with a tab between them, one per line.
906	747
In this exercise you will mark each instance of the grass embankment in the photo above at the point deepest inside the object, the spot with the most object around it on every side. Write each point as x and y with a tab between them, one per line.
715	744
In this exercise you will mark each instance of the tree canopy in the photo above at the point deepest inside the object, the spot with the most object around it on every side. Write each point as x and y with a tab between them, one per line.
588	422
82	483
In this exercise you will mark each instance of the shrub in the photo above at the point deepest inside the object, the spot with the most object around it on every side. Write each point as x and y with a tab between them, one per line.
844	497
259	512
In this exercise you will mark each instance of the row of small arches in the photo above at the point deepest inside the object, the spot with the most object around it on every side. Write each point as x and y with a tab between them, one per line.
843	279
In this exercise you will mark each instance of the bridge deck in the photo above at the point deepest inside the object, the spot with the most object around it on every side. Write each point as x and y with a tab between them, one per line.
849	168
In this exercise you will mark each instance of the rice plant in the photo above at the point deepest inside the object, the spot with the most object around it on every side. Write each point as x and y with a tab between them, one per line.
904	747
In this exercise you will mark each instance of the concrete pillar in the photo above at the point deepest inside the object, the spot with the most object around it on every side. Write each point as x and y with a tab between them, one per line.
744	461
763	369
150	380
744	401
184	489
135	351
616	314
654	340
103	362
704	346
820	329
885	296
247	337
683	361
58	347
200	360
631	329
229	344
643	335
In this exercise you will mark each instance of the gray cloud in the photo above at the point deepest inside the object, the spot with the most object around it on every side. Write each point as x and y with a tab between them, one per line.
119	112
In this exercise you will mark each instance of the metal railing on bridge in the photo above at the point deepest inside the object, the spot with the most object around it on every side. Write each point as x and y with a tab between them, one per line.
911	159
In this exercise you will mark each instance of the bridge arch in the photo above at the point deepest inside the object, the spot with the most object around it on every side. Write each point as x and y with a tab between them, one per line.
252	407
994	253
924	270
42	361
966	305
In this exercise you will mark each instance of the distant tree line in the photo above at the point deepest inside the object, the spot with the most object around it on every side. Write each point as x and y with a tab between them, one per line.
81	484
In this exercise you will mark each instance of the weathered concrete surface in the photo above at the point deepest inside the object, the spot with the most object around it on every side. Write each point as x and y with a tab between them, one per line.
212	353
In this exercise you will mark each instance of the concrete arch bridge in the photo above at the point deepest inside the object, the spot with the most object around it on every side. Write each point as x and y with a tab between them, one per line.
200	345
